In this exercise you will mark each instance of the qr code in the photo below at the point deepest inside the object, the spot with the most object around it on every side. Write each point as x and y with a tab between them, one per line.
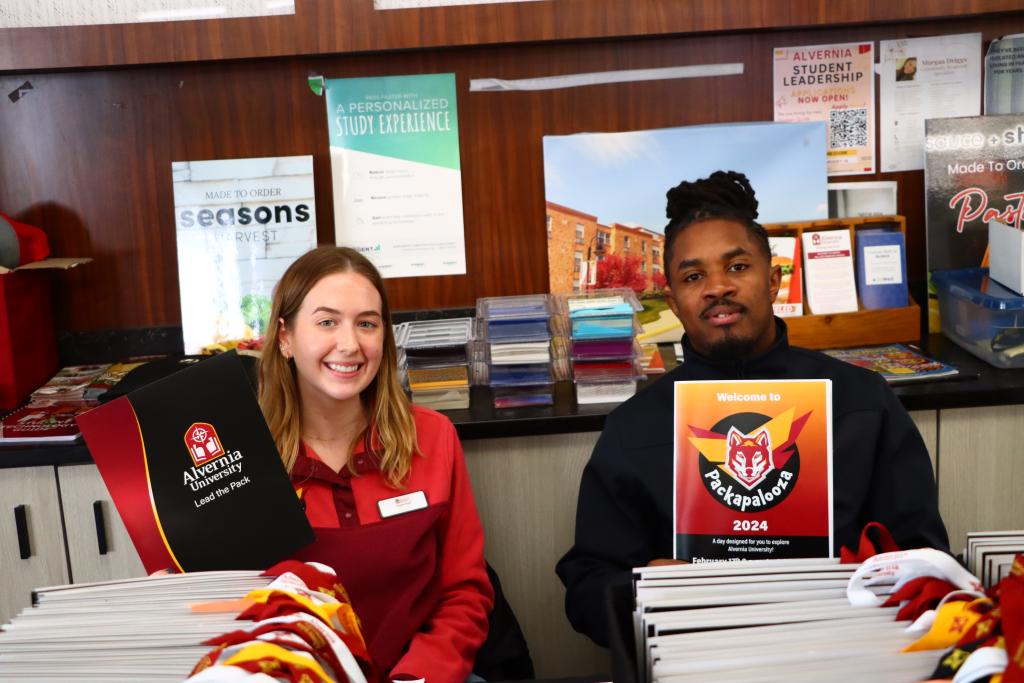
848	128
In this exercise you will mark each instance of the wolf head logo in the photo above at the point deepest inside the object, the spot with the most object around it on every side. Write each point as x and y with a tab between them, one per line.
748	457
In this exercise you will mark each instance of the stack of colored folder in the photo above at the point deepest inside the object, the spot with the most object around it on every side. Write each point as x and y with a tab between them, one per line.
605	355
517	331
437	362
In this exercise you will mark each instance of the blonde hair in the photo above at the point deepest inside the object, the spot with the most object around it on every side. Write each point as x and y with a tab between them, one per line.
391	422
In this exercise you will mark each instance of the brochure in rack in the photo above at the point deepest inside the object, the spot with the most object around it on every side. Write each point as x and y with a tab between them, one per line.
786	255
753	469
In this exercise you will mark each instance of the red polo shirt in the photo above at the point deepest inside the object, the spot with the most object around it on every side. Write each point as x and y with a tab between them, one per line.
411	559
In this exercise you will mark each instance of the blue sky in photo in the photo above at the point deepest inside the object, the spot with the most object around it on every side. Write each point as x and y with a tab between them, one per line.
623	177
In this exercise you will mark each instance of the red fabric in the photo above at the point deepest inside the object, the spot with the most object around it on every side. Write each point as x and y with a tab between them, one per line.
315	644
28	342
920	595
282	605
279	670
275	668
867	548
417	580
1011	599
315	580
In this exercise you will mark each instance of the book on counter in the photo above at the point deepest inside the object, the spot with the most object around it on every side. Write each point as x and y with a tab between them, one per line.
896	363
194	472
109	378
69	384
48	422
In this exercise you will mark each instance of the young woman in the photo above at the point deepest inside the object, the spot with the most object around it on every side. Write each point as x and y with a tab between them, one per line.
383	482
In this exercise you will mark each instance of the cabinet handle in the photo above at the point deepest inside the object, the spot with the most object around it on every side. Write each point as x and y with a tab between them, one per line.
21	524
101	531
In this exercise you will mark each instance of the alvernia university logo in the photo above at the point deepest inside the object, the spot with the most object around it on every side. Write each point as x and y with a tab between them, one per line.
203	443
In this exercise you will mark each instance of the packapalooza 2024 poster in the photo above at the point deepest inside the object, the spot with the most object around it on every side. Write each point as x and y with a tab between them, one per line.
753	469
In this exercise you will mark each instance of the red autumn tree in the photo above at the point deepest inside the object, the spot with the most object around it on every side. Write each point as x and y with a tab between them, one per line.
658	281
618	271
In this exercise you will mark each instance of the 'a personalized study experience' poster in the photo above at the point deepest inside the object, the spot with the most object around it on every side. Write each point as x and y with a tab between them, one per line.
396	172
753	469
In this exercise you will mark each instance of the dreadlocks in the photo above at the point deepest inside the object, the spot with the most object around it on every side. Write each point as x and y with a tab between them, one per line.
724	195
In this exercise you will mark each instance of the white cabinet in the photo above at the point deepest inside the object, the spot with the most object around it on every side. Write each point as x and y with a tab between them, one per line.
99	548
31	536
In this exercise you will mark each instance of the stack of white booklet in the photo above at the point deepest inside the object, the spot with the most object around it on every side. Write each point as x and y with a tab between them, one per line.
141	629
521	352
766	620
989	554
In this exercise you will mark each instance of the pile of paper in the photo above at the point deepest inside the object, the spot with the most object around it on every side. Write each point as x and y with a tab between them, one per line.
767	620
989	554
140	629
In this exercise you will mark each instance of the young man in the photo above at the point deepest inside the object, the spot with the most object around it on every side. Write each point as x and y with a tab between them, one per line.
721	286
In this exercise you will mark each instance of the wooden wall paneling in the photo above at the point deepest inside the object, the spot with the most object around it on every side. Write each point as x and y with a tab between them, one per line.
87	154
981	473
349	26
526	490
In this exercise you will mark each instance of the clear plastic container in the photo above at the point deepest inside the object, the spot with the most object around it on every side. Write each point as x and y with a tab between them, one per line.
981	315
523	396
442	399
599	299
422	379
436	356
612	370
516	329
604	392
599	349
519	352
520	375
535	306
435	333
609	327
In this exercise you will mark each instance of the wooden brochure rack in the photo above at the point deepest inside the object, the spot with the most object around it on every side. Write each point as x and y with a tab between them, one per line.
860	328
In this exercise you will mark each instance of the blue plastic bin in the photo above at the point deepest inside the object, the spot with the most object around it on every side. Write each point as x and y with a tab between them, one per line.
981	315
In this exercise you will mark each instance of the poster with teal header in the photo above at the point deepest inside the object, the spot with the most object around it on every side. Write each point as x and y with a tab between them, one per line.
396	172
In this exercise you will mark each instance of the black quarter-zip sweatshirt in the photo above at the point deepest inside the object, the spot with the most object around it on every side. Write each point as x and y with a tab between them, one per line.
881	472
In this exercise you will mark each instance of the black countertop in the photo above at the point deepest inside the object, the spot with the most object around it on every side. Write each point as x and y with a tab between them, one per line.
979	384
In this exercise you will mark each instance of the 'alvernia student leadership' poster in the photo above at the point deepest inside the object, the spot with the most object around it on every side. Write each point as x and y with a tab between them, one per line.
396	172
753	469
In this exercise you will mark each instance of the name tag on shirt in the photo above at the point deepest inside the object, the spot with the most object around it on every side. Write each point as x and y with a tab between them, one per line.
399	505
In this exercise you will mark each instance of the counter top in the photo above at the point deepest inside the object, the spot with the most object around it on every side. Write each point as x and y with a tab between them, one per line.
979	385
